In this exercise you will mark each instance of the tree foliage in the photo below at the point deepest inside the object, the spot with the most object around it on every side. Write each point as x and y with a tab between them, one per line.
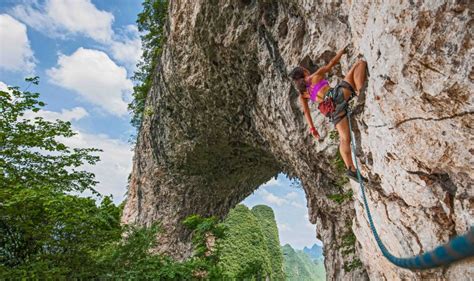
266	219
151	21
299	266
30	153
48	233
244	253
42	227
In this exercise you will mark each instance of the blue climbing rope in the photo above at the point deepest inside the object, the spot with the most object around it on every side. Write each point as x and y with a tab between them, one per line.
460	247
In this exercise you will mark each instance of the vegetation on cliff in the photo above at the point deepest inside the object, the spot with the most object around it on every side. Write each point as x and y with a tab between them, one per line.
266	218
150	22
245	253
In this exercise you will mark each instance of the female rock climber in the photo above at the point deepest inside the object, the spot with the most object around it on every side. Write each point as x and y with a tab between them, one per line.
332	102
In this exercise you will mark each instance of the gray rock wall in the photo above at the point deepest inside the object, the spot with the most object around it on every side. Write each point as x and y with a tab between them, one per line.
222	118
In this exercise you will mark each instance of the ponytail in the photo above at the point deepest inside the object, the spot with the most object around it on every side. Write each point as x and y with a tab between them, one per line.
300	85
297	74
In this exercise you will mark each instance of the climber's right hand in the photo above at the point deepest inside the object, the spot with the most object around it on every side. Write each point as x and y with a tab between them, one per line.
346	48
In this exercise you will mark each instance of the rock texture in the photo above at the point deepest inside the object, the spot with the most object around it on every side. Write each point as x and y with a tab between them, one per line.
223	118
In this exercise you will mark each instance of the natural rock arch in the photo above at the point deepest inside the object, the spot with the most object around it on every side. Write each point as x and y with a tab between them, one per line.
222	118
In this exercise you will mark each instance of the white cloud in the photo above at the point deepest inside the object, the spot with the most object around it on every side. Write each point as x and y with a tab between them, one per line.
292	195
115	165
128	49
128	52
271	198
64	18
15	50
294	200
297	205
66	115
3	87
95	77
291	214
59	17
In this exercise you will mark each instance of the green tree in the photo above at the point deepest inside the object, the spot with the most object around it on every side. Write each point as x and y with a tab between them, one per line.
266	218
131	257
299	266
151	21
244	253
31	155
42	228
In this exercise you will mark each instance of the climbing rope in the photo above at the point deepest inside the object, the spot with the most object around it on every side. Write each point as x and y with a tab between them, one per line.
459	248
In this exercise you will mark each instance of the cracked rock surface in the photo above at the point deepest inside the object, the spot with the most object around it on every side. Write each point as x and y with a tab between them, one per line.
223	118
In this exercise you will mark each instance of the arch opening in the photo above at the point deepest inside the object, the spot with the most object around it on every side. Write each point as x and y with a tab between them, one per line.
302	251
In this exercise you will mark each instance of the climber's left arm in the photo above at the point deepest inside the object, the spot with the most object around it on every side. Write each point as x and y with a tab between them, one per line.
333	62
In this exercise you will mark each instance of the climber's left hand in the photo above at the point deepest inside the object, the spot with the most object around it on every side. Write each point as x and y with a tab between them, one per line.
315	133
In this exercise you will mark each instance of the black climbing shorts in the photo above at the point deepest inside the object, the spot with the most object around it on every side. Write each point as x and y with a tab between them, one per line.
341	105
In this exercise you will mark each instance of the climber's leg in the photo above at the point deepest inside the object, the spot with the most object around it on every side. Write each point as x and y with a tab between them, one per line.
360	75
345	142
355	77
345	148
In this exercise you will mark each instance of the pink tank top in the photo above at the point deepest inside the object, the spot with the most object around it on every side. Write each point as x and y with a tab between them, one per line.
313	91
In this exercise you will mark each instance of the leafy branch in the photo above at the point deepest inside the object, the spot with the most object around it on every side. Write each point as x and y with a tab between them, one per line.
151	22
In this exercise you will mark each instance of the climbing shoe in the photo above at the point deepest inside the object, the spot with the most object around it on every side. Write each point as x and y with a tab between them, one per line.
353	175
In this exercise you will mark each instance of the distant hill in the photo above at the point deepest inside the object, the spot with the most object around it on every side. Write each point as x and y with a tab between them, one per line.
266	218
251	249
300	267
315	252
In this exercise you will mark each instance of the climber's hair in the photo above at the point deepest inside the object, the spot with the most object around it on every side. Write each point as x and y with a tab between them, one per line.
297	74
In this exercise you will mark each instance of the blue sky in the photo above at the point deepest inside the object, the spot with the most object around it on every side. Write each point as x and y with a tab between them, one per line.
85	53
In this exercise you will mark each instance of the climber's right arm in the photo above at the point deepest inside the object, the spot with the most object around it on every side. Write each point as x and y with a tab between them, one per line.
307	114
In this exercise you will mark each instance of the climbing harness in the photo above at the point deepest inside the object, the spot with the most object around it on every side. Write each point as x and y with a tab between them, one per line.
459	248
327	106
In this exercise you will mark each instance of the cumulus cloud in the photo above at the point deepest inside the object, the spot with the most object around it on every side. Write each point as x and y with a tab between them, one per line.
272	198
3	87
128	49
292	195
74	114
297	204
290	199
94	77
65	18
115	162
59	17
15	50
294	199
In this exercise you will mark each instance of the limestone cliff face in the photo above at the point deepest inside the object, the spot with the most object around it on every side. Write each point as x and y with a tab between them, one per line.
223	118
